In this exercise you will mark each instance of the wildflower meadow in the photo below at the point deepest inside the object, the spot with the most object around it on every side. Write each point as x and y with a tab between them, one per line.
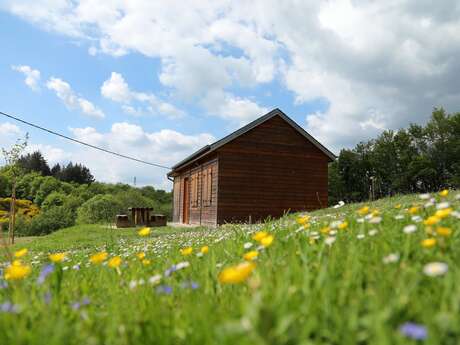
378	273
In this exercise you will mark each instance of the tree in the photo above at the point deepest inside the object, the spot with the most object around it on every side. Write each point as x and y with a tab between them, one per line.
34	162
12	158
99	209
75	173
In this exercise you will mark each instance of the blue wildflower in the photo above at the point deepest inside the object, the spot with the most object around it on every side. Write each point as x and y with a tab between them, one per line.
8	307
190	285
45	272
170	270
164	289
78	304
47	297
413	330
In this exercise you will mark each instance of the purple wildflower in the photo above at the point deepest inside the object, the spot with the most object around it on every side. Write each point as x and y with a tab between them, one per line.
190	285
78	304
164	289
170	270
45	272
8	307
47	297
413	330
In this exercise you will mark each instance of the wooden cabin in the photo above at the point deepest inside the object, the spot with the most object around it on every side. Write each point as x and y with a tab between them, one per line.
267	168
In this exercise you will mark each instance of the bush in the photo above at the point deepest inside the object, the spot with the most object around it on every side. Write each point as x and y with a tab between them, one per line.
99	209
48	185
54	199
47	222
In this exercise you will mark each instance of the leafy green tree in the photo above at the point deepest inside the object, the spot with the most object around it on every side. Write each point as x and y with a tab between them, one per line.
49	185
99	209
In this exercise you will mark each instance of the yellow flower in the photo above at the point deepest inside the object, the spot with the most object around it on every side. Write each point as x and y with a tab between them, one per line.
431	220
17	271
444	192
186	251
443	231
343	225
413	209
303	220
144	232
259	235
363	210
326	230
267	241
20	253
98	258
146	262
428	242
57	257
236	274
204	250
114	262
249	256
398	206
140	255
375	212
312	240
443	213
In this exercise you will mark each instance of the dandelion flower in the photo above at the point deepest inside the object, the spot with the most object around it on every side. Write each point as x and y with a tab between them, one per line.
435	269
326	230
98	258
428	243
57	257
146	262
444	193
236	274
20	253
413	210
204	250
252	255
259	235
443	213
302	220
17	271
114	262
140	255
144	232
409	229
267	241
398	206
443	231
186	251
431	220
363	211
343	225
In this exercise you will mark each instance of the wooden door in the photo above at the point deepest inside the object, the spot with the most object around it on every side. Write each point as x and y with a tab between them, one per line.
186	206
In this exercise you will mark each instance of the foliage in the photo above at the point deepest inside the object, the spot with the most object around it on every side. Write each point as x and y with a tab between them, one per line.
24	209
297	292
34	162
100	209
417	159
46	222
77	173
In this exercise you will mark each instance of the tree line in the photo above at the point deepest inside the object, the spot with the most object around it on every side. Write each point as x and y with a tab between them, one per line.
48	199
421	158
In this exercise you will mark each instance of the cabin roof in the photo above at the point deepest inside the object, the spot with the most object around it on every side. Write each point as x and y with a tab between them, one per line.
205	150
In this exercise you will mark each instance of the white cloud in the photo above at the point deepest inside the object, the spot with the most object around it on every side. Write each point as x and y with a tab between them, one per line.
377	64
165	147
8	129
32	76
65	92
116	89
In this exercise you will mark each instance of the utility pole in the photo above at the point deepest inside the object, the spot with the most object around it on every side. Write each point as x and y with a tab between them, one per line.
134	181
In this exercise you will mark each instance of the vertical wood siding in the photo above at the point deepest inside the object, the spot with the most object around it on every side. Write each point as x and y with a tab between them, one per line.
268	171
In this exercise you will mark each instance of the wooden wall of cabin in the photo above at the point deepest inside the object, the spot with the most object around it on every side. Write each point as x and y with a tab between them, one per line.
270	170
202	211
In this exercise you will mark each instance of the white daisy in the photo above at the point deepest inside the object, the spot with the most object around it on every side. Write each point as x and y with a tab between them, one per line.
435	269
375	220
373	232
360	236
409	229
329	240
425	196
391	258
442	205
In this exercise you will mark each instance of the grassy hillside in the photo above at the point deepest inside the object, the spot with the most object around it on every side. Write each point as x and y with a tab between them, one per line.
351	275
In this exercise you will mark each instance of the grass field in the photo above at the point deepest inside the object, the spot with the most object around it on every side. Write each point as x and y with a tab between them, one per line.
387	274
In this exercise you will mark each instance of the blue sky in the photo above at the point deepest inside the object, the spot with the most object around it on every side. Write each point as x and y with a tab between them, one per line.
157	81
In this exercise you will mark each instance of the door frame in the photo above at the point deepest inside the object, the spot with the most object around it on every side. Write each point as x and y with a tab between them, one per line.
186	202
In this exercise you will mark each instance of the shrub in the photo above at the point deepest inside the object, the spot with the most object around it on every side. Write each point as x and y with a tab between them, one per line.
47	222
54	199
48	185
99	209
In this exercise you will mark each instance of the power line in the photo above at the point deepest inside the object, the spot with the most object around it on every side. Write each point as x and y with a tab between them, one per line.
83	143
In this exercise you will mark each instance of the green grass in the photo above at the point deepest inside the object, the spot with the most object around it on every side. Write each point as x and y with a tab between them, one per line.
302	290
